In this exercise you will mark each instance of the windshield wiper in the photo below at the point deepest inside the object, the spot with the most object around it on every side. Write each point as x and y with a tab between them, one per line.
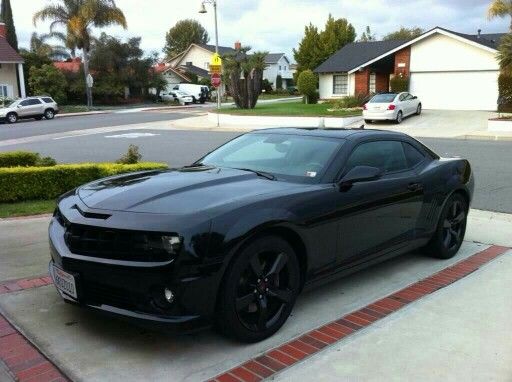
259	173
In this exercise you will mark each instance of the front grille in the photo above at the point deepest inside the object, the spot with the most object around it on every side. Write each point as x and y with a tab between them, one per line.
97	294
115	244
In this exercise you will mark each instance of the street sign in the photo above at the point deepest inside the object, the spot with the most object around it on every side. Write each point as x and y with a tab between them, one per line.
216	80
215	69
90	81
216	60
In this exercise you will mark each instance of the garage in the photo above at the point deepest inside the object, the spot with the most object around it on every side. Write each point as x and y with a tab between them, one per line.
472	90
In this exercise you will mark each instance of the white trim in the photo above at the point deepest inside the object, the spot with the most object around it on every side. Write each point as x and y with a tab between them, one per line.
419	38
22	81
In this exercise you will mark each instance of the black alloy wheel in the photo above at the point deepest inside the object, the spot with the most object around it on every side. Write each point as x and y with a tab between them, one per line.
451	228
260	290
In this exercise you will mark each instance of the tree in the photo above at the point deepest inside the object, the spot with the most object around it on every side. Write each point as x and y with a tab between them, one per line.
367	35
78	17
337	34
505	54
182	34
244	76
306	84
279	82
404	34
6	16
308	55
500	8
40	46
48	80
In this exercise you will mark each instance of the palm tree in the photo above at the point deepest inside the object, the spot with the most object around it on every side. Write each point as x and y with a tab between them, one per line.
40	46
500	8
78	17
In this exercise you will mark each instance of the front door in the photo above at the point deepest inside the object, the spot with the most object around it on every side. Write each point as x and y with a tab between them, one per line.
378	215
30	107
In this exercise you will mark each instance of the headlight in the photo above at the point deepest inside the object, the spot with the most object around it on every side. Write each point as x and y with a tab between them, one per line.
172	244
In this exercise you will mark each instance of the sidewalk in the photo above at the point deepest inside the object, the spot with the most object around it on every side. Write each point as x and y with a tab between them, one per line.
461	333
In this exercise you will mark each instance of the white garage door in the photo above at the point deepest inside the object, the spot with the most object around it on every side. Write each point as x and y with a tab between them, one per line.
456	90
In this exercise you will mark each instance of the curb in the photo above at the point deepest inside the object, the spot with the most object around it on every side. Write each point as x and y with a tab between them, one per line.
280	358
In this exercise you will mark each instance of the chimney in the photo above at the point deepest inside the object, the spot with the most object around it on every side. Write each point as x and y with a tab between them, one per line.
238	45
3	30
479	32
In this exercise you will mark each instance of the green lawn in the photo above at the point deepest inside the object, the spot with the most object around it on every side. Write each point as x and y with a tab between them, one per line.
31	207
292	109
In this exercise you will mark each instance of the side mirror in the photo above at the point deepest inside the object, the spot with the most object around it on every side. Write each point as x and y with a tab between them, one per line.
360	174
414	97
19	106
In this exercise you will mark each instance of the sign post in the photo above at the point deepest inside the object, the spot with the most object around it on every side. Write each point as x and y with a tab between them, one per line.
215	75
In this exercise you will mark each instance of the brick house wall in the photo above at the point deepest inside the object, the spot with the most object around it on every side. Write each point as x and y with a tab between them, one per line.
362	81
382	82
403	62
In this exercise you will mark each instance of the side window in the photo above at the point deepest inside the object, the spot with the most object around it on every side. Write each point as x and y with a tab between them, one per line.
402	97
413	155
34	101
25	103
386	155
48	100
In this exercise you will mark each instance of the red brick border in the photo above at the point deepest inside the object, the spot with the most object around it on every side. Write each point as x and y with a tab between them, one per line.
275	360
26	283
23	360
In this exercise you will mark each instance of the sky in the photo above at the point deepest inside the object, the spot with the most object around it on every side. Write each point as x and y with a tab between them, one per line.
277	25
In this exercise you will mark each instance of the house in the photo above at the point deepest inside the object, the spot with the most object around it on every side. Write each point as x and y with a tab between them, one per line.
71	65
278	65
171	75
446	69
12	80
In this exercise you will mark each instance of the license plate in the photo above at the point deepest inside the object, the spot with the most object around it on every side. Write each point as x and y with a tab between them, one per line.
64	281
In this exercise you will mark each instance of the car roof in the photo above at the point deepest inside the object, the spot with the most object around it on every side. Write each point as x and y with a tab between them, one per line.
339	133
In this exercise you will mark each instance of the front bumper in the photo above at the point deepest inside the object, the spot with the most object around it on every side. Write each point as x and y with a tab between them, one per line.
133	291
384	115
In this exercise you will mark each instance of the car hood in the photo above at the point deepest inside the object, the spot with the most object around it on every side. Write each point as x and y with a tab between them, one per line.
179	191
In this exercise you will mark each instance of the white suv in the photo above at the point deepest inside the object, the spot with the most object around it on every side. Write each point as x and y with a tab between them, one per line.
31	107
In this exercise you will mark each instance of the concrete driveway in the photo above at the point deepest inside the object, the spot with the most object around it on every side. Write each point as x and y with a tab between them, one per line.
440	123
89	347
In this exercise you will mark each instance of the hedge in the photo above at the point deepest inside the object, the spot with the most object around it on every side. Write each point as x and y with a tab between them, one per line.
399	84
505	93
18	158
32	183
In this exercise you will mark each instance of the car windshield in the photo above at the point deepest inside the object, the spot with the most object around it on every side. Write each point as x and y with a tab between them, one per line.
295	157
383	98
8	103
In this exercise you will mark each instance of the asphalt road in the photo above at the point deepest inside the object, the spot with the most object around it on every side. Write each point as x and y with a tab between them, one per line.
31	127
491	160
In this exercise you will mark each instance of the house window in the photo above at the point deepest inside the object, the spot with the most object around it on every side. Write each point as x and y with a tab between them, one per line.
5	91
373	83
340	84
279	67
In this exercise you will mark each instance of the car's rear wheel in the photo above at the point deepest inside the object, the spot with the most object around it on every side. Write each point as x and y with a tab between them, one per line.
418	110
49	114
368	121
12	118
399	117
451	229
259	290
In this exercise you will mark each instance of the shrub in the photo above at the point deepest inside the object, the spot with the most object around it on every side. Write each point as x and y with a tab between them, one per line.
279	82
25	158
132	156
267	86
351	101
32	183
48	80
505	93
306	83
399	84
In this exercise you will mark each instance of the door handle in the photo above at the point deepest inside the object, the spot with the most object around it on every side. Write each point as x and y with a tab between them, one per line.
415	187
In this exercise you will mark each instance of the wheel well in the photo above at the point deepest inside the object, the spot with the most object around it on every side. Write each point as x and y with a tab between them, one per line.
464	194
49	108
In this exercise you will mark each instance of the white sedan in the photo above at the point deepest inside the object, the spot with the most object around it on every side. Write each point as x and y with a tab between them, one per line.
176	95
391	106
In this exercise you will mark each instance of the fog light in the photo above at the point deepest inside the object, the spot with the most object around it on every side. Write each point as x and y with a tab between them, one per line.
169	296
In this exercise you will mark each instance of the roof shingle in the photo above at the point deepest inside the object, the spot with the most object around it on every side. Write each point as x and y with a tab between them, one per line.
8	54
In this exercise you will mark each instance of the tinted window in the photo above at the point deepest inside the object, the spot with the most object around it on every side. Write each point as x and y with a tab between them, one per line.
289	155
413	155
30	102
386	155
383	98
48	100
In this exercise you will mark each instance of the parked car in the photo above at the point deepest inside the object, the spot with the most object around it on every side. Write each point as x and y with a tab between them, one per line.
31	107
391	106
234	238
200	93
177	96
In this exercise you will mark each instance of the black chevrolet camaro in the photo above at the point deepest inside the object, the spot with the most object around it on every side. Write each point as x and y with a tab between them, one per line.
232	239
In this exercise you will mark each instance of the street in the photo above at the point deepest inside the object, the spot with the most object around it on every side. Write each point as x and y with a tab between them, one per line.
490	159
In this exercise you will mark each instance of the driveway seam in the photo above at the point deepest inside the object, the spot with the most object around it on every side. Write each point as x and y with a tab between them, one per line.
282	357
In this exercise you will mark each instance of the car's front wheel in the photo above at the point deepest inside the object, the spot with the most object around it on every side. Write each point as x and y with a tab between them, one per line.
49	114
259	290
12	118
450	230
418	109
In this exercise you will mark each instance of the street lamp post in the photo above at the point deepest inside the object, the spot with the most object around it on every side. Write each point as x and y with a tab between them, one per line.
203	10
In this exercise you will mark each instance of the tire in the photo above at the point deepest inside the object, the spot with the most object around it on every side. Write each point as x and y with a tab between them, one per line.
49	114
368	121
451	228
11	118
255	300
418	110
399	117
